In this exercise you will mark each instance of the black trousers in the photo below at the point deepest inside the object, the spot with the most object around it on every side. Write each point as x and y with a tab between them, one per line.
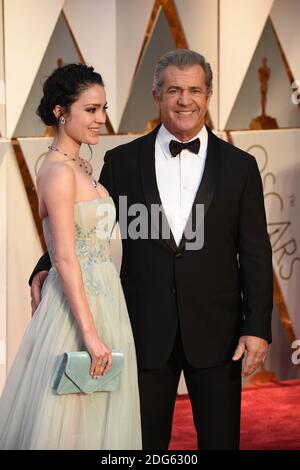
215	395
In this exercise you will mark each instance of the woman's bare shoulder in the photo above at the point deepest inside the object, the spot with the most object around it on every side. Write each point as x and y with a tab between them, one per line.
55	176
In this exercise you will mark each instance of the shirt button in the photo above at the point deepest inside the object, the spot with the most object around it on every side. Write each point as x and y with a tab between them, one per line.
173	291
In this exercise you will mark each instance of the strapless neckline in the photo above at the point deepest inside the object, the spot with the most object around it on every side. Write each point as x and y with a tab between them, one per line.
92	200
84	201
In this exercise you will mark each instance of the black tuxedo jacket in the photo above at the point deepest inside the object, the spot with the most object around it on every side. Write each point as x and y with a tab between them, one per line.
214	294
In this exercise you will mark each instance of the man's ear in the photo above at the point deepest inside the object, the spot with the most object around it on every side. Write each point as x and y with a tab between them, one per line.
156	99
58	111
209	95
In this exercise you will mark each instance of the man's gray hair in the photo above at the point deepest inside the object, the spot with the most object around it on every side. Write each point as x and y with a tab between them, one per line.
181	58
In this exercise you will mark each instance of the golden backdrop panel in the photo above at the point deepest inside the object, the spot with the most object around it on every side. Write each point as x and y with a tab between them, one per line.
93	25
241	24
276	87
277	154
4	144
2	82
22	250
199	19
132	17
140	108
285	16
28	28
60	49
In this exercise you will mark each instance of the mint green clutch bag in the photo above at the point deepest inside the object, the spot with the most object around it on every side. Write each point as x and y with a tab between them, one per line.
73	375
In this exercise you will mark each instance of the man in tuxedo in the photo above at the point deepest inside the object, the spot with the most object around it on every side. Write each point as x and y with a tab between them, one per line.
196	307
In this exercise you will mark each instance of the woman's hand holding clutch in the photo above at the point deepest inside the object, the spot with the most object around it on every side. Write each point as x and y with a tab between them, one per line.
100	353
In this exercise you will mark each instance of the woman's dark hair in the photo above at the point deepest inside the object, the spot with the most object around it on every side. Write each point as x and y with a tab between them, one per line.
63	88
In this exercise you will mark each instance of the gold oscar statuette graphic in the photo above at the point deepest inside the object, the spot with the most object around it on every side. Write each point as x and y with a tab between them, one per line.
264	121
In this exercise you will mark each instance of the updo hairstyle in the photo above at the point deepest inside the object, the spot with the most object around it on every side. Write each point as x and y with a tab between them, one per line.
63	88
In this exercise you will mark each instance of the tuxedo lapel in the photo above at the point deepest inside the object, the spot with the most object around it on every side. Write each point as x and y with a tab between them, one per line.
204	193
207	186
151	192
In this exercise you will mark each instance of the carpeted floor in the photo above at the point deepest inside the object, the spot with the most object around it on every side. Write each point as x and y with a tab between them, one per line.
270	419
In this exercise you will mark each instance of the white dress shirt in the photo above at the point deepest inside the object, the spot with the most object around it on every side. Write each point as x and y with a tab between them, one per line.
178	178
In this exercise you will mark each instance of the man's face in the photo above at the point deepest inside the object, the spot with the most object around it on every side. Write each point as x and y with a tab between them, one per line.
183	100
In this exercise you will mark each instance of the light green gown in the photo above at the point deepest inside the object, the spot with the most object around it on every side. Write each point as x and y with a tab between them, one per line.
32	416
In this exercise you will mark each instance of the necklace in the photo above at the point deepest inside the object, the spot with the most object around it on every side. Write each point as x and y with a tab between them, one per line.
85	165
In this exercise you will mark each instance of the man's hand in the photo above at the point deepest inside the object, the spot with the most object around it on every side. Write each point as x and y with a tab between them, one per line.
256	351
36	287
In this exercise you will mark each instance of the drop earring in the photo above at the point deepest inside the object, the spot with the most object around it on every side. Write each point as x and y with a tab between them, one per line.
62	120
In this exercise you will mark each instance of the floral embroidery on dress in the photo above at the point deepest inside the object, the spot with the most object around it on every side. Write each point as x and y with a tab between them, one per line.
91	251
95	287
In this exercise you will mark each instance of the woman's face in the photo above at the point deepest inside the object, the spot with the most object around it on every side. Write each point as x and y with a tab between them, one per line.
86	115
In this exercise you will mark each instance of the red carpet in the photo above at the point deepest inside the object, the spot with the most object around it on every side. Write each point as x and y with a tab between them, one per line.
270	419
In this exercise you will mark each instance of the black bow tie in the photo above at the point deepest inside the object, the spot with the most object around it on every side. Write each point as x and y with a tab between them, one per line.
176	147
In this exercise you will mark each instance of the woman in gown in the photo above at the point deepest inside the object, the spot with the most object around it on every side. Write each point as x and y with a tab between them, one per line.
82	304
